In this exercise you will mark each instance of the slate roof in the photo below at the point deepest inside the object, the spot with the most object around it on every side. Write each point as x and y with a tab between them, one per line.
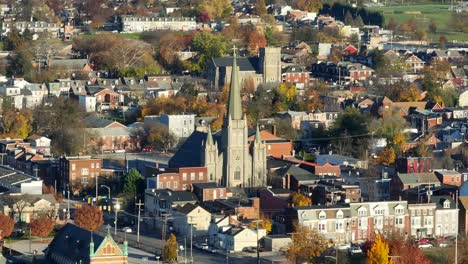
439	201
189	154
174	196
69	64
72	244
298	173
245	64
206	185
418	178
96	122
186	209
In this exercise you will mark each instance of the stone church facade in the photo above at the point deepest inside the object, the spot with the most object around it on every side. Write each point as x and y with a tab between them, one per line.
229	158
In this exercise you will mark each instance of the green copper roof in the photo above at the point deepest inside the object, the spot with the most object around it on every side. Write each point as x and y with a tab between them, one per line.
235	104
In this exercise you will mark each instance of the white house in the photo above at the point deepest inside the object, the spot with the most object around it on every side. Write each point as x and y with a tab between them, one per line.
87	102
446	216
26	207
191	216
182	126
40	143
235	239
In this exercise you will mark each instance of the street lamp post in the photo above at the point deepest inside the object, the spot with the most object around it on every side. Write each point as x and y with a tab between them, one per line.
117	208
68	205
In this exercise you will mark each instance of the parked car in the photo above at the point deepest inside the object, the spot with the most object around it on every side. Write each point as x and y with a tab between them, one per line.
425	245
127	230
424	240
354	250
181	248
212	250
343	247
204	246
250	249
444	244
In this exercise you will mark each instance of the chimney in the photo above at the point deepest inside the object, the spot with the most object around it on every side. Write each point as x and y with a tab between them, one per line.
273	130
399	198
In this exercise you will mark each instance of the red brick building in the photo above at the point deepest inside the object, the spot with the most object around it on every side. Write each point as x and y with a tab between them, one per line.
209	191
274	200
449	177
108	135
107	99
326	169
413	164
275	146
78	172
297	75
176	179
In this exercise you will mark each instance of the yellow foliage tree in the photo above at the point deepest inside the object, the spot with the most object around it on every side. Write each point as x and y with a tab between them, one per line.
264	224
387	156
379	252
411	94
306	245
298	199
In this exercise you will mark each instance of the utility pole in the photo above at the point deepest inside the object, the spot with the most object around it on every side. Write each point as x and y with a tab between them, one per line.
191	240
139	204
456	234
96	188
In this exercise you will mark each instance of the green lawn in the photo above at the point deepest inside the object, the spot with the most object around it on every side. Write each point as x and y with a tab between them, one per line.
437	255
136	36
437	12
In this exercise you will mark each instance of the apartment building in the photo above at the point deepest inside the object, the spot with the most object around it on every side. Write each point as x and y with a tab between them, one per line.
147	23
78	171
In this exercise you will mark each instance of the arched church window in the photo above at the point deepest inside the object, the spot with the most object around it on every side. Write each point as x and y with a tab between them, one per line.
237	174
211	176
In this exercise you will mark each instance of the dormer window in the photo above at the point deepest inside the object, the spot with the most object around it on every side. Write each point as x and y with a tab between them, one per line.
322	215
447	204
339	214
362	212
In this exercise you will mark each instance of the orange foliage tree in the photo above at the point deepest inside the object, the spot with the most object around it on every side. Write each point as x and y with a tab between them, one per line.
6	225
89	217
407	252
42	226
255	41
387	156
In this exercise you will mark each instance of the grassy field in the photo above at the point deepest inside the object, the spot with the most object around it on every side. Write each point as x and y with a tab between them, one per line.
427	12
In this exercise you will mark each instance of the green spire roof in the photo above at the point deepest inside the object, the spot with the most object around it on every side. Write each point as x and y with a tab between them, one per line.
235	104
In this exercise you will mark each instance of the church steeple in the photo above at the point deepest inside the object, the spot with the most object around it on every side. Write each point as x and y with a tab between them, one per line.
235	104
258	138
209	137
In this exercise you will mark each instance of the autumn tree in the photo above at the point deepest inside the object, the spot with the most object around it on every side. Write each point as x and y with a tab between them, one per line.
263	223
260	8
379	252
299	199
308	5
255	41
386	156
161	138
216	8
432	27
89	217
306	245
16	124
170	249
63	121
6	225
407	252
42	226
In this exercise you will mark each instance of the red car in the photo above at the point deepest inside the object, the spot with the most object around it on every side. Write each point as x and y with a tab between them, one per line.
424	240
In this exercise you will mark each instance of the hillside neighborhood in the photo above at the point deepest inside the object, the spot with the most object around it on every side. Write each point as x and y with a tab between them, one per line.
219	131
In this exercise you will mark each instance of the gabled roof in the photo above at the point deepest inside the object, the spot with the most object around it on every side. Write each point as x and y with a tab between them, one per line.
72	244
174	196
186	208
189	154
439	201
244	64
96	122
